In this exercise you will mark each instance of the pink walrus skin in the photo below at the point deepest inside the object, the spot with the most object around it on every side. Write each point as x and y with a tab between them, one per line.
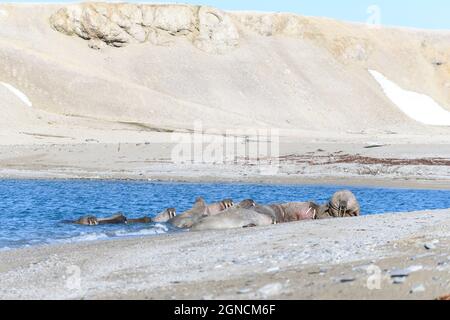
295	211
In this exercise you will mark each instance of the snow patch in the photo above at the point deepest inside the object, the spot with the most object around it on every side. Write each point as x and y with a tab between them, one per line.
18	93
3	13
419	107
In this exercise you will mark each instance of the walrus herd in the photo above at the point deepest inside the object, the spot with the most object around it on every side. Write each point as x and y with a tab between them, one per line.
226	215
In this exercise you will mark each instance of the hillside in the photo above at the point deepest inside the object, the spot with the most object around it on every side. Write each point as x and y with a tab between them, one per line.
97	66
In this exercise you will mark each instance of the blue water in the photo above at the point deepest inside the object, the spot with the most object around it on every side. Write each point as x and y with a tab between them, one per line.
31	211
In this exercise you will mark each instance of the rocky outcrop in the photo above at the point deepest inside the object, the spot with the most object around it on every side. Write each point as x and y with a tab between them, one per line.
118	25
208	29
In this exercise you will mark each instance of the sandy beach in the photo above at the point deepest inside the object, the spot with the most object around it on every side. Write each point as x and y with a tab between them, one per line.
393	165
392	256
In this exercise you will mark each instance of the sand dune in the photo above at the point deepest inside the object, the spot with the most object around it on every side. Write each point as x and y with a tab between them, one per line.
305	75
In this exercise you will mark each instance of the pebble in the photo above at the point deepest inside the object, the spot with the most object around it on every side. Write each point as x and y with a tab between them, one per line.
430	246
418	288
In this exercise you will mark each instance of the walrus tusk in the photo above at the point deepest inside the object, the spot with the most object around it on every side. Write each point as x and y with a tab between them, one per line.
307	212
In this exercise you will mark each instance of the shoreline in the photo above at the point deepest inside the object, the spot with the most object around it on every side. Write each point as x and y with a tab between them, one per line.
283	264
362	182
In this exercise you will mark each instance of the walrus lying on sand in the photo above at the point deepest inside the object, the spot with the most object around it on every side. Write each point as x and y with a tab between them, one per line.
341	204
200	209
240	216
286	212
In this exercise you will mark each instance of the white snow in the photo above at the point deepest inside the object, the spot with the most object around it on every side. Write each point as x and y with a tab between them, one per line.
18	93
3	13
419	107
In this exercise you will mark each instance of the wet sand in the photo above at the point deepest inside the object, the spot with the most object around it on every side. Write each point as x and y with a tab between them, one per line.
352	258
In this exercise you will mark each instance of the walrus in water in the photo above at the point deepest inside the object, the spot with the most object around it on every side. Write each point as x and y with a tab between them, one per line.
342	204
165	216
85	221
199	210
240	216
93	221
121	219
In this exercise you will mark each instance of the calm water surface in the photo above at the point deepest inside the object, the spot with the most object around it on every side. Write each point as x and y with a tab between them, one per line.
31	211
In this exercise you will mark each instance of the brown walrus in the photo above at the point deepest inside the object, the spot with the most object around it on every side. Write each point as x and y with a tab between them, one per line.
200	209
93	221
285	212
85	221
115	219
121	219
165	216
342	204
143	220
240	216
295	211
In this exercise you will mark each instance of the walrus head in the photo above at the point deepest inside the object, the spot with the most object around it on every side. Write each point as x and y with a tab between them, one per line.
199	203
87	221
247	204
165	216
172	212
343	204
227	203
92	221
315	208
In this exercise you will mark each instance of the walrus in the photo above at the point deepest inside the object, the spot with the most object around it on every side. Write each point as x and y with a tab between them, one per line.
200	209
165	216
143	220
94	221
295	211
218	207
240	216
285	212
115	219
263	209
189	217
342	204
85	221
